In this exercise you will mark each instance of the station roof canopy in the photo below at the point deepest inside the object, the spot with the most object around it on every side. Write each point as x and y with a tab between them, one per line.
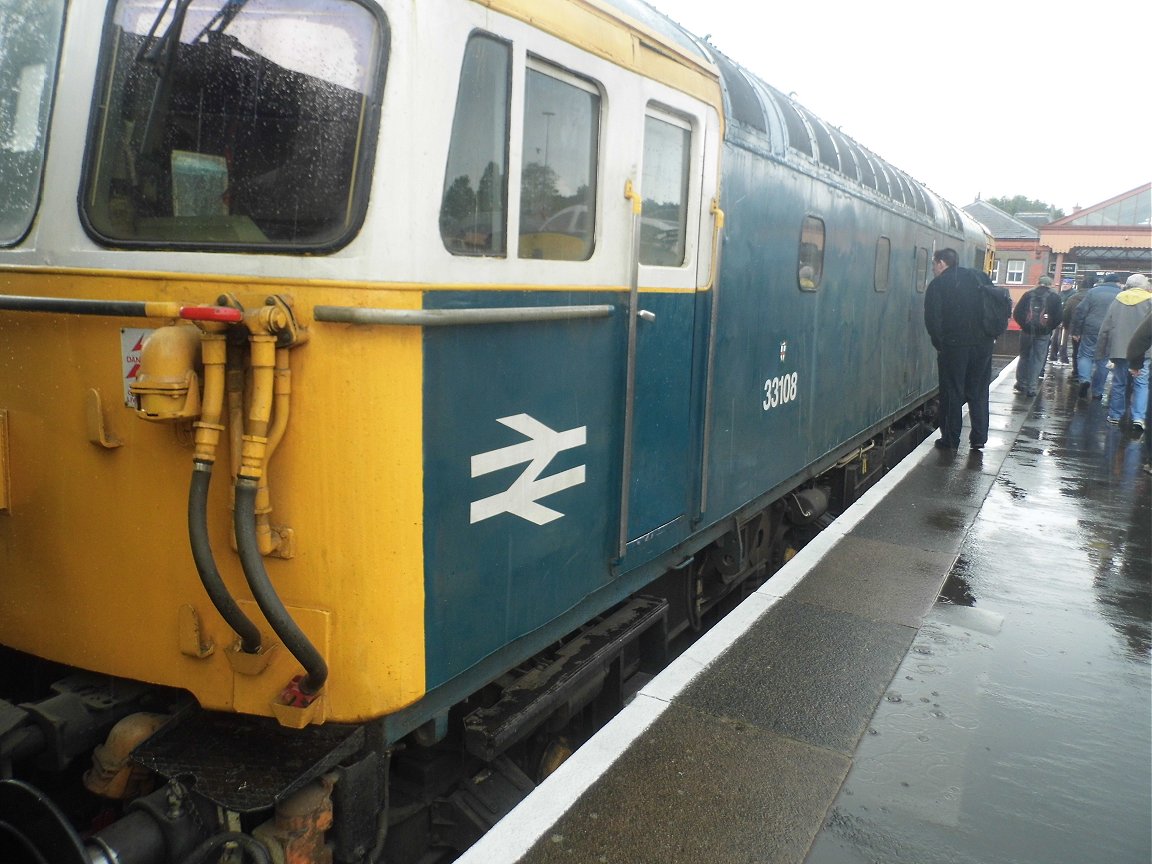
1119	228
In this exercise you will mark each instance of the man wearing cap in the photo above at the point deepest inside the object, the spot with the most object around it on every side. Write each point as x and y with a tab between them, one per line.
1038	314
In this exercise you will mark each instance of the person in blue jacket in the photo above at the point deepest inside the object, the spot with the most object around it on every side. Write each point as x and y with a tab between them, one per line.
1086	320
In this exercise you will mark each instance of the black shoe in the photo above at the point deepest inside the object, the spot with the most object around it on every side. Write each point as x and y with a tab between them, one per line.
1018	387
1031	392
941	444
1084	389
976	446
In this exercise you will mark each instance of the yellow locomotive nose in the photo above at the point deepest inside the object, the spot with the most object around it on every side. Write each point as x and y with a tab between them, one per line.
166	385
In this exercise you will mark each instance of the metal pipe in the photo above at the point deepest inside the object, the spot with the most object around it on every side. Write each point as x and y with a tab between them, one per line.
118	308
457	317
633	194
710	366
281	402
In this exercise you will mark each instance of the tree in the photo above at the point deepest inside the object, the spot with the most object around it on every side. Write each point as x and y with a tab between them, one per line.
459	199
538	193
1020	204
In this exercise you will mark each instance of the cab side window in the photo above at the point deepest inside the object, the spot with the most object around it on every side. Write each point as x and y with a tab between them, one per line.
558	177
664	185
473	210
29	48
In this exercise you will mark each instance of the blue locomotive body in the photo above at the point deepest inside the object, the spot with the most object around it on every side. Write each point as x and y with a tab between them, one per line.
744	388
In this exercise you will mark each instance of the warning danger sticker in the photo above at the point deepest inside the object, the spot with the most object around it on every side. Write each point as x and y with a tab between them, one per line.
131	343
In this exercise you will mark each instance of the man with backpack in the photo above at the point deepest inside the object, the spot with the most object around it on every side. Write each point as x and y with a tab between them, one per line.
957	309
1038	314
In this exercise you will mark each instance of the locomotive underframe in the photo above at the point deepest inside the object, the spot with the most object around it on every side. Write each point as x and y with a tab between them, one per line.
360	790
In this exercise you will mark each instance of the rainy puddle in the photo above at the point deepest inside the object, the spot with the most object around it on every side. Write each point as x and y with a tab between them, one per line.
1018	727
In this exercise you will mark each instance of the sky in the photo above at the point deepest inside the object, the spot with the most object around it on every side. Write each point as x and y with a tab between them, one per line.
996	99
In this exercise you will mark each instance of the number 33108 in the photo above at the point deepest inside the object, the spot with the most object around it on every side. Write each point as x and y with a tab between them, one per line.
778	391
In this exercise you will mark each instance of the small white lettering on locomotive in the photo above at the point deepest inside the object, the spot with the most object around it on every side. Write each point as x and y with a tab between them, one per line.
780	390
522	497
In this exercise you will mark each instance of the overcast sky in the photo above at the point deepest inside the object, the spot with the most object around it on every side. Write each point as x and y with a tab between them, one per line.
995	99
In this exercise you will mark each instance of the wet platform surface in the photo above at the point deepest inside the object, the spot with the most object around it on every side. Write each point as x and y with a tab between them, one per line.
955	671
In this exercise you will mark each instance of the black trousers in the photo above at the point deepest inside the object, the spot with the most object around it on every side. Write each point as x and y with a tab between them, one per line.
965	373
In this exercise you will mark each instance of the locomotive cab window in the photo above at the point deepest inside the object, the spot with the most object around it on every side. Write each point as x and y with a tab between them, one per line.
232	124
664	185
811	267
558	175
29	48
883	263
473	211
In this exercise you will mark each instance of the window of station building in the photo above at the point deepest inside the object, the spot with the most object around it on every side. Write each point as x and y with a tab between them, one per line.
883	263
473	209
224	125
664	185
811	266
921	269
558	175
1015	274
29	48
995	273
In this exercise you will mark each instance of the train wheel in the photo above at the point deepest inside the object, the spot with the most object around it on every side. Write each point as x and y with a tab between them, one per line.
555	754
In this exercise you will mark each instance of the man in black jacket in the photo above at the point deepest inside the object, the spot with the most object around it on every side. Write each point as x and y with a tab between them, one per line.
953	310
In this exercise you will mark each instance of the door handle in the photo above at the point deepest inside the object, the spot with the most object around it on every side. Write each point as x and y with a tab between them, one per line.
645	315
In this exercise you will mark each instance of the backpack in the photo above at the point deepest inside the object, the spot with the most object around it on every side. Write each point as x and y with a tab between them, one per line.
1036	313
995	308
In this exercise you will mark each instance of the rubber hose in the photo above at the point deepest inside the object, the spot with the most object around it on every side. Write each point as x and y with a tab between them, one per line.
266	597
206	565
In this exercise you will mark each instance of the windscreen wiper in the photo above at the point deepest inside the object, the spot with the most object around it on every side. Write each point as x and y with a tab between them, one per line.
160	56
223	17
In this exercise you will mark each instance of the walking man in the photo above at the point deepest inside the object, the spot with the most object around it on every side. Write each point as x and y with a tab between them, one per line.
1124	316
1086	320
1038	314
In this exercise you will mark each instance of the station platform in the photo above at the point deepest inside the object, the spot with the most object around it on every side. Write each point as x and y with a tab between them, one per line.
957	670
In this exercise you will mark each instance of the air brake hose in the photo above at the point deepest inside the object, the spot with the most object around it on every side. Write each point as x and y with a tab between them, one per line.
265	594
206	565
214	352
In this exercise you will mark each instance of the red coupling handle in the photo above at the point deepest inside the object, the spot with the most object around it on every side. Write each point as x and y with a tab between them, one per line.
211	313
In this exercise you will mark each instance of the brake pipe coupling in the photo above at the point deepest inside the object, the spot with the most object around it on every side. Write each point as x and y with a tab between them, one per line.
270	328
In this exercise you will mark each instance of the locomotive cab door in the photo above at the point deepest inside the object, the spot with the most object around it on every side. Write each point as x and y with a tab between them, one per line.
672	252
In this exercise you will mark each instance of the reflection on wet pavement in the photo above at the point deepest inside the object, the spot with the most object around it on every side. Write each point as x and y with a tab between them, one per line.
1018	728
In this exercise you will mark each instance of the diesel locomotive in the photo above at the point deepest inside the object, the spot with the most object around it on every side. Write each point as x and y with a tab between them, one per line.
385	386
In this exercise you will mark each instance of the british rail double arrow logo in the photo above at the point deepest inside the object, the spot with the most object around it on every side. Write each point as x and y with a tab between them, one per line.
523	496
